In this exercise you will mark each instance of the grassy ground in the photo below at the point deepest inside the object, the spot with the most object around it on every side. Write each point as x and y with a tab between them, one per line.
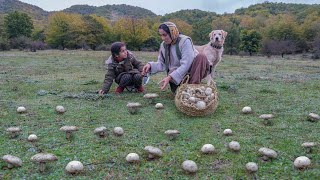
287	88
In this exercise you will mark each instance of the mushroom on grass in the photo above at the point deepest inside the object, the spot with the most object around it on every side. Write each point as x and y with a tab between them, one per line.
308	146
267	153
118	131
313	117
42	159
12	161
21	109
133	107
234	146
32	138
100	131
74	167
227	132
246	110
151	97
302	162
189	166
172	133
132	158
68	130
252	168
14	131
207	149
153	152
266	118
60	109
159	106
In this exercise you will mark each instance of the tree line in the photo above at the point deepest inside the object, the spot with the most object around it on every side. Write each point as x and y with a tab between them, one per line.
265	33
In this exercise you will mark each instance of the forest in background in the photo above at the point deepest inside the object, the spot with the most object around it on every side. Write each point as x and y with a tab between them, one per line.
266	28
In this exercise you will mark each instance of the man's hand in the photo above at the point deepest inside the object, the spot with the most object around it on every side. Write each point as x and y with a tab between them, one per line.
101	92
146	69
164	82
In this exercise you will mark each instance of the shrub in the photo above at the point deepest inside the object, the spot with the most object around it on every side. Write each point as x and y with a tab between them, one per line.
4	44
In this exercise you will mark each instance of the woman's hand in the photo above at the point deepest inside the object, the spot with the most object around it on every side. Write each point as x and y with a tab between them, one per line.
164	82
146	69
101	92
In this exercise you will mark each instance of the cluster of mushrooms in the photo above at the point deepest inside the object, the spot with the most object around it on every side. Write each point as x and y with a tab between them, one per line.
193	96
197	97
133	107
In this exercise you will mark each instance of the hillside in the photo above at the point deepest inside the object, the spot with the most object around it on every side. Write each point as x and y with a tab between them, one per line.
112	12
190	15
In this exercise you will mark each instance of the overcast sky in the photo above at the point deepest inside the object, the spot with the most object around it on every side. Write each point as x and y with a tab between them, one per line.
162	7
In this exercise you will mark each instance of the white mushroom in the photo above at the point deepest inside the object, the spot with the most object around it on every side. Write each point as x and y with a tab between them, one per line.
251	167
227	132
12	161
207	149
74	167
68	130
32	138
42	159
234	146
267	153
208	91
100	131
21	109
308	146
14	131
266	118
153	152
151	97
133	107
172	133
60	109
118	131
246	110
201	105
302	162
132	158
159	106
189	166
313	117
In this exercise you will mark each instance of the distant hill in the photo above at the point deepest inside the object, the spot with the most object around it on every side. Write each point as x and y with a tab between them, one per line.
190	16
112	12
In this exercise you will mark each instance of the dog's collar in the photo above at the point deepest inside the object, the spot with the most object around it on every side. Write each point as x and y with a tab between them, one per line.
215	46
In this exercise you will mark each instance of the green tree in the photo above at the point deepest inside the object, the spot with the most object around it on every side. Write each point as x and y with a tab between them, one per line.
201	30
250	41
18	24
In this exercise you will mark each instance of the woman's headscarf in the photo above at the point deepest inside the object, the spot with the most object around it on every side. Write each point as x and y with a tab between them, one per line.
174	32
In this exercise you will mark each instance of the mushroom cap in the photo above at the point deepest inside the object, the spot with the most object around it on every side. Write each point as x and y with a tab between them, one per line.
314	117
132	157
118	131
172	132
133	105
32	137
69	128
44	157
251	167
151	95
234	145
13	160
153	151
159	106
246	110
227	132
268	152
13	129
60	109
74	167
302	162
98	130
207	148
189	166
21	109
308	144
266	116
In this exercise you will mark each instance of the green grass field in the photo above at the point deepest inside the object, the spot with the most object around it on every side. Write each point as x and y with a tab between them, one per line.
289	88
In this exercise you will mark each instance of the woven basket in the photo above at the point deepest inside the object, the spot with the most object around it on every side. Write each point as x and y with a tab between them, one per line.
186	108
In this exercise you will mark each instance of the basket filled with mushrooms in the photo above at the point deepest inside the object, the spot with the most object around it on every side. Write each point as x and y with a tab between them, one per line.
196	99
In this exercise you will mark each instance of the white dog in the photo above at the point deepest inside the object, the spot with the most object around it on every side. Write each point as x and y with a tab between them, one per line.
213	50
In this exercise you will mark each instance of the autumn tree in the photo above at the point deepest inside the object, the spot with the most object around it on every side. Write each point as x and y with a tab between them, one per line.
250	41
183	26
132	31
201	30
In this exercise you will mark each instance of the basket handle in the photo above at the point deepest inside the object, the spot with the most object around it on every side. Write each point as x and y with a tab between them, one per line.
185	80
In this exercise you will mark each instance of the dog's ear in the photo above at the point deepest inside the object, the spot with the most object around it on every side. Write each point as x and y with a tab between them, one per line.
224	34
210	34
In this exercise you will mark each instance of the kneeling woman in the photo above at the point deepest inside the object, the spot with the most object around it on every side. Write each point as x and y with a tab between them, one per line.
122	67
